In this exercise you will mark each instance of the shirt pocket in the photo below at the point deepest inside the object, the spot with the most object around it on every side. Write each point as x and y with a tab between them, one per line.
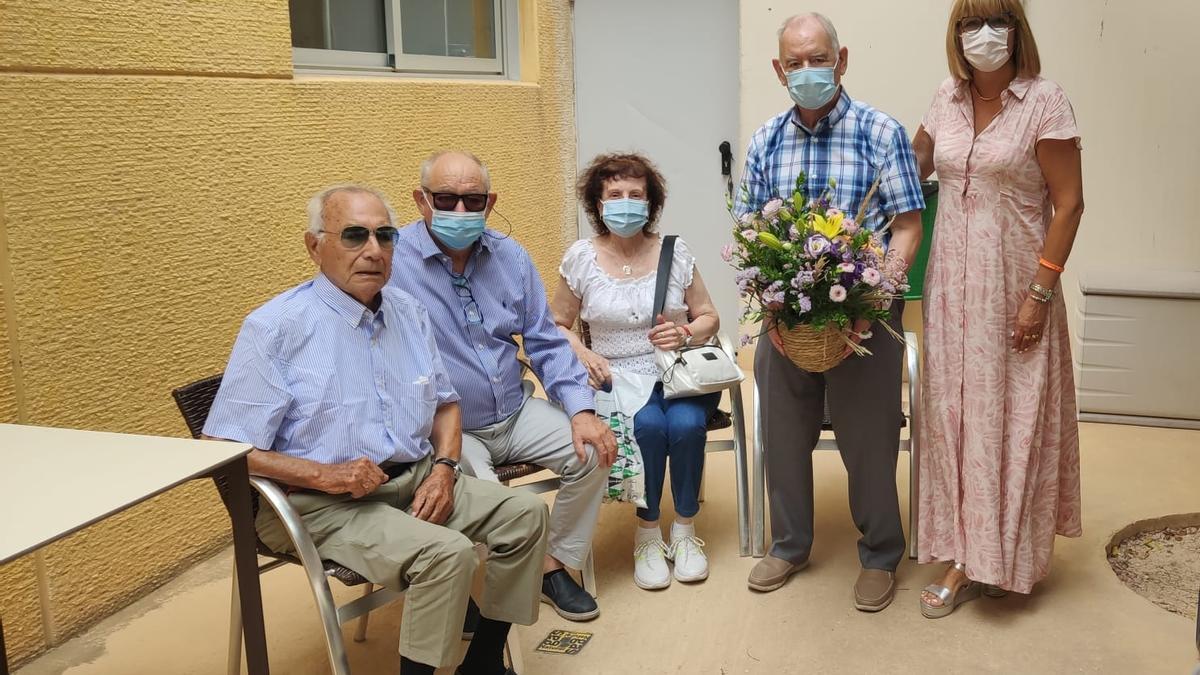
412	406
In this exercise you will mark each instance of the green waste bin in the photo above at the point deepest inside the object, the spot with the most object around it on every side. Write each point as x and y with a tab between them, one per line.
916	271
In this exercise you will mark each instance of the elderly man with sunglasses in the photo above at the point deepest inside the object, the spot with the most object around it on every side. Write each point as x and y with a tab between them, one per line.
339	386
482	290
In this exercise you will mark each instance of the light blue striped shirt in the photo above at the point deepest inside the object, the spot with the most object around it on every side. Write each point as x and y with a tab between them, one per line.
316	375
477	342
852	145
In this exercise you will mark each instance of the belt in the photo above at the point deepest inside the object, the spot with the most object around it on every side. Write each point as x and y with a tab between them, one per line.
396	469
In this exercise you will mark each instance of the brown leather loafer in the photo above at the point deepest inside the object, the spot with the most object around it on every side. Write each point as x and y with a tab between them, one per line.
771	573
874	590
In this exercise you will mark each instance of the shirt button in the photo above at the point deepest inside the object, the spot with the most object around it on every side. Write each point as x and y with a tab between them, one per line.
479	345
496	379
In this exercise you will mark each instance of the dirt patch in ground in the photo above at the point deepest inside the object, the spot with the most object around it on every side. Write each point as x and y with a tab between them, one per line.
1161	563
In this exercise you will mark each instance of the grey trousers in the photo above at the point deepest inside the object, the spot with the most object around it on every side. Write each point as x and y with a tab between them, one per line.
434	564
864	404
540	433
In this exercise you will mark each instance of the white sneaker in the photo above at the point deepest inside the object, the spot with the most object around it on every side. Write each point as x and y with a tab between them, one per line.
650	569
685	550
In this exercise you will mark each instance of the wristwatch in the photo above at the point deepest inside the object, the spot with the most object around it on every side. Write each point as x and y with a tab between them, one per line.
454	467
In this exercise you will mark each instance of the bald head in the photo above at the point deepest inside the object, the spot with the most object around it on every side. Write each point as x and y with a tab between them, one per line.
810	25
451	168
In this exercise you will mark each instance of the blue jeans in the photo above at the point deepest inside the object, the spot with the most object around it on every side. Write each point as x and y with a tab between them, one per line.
676	429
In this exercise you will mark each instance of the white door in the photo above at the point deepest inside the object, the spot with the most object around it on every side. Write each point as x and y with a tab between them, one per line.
661	77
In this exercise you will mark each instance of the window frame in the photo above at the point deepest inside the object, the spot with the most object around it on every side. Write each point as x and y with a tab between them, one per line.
505	65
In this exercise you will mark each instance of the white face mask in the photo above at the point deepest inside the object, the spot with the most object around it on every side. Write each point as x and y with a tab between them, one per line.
986	49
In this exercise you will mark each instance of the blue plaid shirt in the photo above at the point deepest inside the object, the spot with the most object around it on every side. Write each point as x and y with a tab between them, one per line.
853	144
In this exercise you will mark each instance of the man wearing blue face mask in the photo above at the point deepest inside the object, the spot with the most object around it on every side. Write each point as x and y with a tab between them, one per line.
482	290
828	136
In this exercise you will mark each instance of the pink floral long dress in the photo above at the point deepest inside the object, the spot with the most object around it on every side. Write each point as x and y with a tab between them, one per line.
999	441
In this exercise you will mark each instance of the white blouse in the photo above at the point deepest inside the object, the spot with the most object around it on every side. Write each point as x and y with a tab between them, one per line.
618	311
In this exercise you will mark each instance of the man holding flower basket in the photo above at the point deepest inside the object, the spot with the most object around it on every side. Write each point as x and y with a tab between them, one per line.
828	218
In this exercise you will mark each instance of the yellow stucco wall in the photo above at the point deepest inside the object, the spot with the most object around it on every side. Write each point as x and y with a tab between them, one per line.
155	159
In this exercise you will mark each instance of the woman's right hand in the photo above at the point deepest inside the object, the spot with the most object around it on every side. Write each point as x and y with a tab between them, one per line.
599	376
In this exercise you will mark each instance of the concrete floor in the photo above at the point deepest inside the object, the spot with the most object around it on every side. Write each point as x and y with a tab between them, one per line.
1080	620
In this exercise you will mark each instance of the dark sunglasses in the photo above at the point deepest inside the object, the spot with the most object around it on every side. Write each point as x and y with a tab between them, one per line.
972	24
448	201
356	236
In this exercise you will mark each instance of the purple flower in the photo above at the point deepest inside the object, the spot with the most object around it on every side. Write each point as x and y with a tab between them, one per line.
727	252
802	280
793	233
837	293
817	245
746	340
871	276
771	208
805	303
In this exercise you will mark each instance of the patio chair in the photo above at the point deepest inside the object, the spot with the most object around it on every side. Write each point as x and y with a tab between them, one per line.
194	401
909	419
722	420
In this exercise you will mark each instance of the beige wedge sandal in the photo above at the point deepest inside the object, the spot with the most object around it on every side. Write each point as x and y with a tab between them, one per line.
951	598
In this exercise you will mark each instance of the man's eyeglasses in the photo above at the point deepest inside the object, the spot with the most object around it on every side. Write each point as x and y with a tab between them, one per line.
463	288
356	236
448	201
973	24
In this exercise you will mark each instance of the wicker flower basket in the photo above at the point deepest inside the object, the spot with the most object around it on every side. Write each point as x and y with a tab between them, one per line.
811	349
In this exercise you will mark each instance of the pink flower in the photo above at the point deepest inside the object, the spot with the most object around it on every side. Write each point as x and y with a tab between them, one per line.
750	235
833	213
849	226
837	293
771	208
846	268
727	253
871	276
746	218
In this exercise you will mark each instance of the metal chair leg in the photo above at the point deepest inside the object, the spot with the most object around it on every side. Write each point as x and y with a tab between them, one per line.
738	413
516	661
311	561
360	631
589	578
703	484
758	525
914	437
235	629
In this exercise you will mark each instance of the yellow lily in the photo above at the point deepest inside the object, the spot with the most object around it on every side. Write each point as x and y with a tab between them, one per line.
830	227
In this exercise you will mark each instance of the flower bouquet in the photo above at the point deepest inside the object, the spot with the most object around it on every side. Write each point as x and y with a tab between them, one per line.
811	271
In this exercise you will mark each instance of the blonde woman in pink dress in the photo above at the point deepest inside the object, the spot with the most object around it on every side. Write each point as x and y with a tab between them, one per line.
999	439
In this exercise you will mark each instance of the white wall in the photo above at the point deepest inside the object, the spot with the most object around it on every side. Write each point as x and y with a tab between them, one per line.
1127	67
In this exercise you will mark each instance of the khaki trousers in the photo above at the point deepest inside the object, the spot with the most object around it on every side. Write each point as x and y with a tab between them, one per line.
433	564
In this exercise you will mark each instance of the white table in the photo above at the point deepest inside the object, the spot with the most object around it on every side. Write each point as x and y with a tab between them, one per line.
62	480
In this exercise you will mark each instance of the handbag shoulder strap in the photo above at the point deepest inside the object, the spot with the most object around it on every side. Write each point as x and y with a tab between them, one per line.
664	275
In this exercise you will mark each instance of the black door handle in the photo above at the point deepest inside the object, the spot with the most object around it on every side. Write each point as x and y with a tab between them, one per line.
726	158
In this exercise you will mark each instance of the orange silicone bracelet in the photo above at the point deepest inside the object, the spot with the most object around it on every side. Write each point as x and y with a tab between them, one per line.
1050	266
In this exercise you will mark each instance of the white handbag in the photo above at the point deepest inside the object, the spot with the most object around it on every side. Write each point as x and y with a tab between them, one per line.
689	371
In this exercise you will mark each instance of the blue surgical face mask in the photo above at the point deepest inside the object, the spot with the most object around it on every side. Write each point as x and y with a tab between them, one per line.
458	229
812	88
625	217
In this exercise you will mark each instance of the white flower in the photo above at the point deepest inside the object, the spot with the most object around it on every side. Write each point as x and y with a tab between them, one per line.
837	293
771	208
871	276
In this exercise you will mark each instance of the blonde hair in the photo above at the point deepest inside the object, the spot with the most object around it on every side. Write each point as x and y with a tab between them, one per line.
1025	51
